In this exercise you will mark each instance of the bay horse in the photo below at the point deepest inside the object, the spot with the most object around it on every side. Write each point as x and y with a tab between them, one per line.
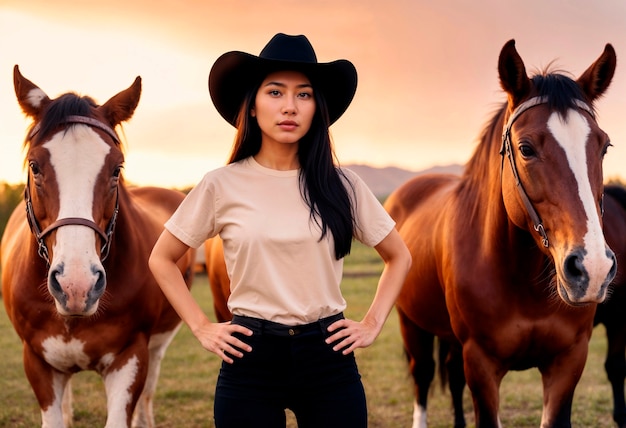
611	312
75	277
509	259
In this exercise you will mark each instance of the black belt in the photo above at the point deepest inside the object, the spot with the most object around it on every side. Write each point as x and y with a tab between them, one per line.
276	329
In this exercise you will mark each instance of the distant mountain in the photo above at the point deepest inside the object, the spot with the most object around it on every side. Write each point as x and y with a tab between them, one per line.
382	181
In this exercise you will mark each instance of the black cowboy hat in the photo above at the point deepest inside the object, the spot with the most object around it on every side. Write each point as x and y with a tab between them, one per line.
235	73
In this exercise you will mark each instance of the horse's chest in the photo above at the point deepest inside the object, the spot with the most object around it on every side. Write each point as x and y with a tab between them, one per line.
527	343
65	354
72	355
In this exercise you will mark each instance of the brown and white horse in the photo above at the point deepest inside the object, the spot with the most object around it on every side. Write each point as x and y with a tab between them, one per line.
509	260
75	277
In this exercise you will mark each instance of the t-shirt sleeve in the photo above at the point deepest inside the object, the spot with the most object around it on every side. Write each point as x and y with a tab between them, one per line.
372	222
195	219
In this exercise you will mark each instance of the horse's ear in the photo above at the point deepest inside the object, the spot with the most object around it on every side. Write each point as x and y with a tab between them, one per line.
597	78
31	99
513	78
122	106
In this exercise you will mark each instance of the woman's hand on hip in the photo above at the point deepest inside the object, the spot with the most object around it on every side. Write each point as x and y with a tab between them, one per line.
218	338
347	335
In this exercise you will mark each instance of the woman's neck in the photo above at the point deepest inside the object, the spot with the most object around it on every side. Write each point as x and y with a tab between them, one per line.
281	160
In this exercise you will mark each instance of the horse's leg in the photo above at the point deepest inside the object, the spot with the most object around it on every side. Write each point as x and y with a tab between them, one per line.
483	377
67	405
123	381
559	379
49	387
615	366
456	380
419	346
143	416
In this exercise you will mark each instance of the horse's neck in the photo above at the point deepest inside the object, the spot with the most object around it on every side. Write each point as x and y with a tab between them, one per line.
481	191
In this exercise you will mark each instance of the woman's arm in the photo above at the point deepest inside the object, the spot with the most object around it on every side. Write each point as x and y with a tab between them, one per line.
397	258
215	337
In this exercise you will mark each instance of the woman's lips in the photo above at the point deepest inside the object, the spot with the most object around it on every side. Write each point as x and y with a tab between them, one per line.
288	125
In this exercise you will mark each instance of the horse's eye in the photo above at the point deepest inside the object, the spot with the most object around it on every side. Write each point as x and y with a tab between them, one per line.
34	167
606	147
117	172
526	150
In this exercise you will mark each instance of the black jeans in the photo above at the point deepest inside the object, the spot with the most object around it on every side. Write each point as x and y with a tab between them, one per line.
290	368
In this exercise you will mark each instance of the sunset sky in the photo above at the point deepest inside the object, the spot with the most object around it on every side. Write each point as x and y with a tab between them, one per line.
427	70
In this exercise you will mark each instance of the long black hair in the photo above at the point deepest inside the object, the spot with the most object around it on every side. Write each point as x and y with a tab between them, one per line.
323	185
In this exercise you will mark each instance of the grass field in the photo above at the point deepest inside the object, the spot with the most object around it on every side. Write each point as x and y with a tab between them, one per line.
185	392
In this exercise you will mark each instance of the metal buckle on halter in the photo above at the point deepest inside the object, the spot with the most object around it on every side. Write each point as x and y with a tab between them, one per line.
544	237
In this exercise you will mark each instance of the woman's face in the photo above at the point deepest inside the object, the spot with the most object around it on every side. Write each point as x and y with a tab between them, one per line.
284	107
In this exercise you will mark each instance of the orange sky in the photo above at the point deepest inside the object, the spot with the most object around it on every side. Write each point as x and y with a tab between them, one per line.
427	70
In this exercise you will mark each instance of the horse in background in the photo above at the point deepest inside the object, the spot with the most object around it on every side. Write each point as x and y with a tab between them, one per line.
218	278
75	277
509	260
611	313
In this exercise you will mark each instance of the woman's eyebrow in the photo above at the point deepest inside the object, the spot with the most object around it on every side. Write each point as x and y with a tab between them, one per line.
283	85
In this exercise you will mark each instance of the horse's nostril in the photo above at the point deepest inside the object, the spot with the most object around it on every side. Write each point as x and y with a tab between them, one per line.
100	282
613	270
574	265
54	282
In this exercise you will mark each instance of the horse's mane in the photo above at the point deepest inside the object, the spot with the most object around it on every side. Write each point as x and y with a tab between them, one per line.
560	92
56	113
58	110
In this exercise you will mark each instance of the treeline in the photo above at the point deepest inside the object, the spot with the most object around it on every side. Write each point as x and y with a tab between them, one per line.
10	196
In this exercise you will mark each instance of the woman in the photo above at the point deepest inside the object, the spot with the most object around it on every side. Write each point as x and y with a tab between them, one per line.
287	216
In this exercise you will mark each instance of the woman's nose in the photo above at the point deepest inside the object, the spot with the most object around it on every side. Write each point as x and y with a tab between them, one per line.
289	107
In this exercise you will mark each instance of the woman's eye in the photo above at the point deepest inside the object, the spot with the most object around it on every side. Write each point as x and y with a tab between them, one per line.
274	93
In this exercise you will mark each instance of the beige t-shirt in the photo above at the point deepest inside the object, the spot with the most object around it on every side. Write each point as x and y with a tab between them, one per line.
279	269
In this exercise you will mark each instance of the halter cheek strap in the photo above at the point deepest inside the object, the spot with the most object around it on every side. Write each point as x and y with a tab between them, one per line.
507	149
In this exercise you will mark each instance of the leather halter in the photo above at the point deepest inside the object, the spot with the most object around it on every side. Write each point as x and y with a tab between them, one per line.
40	235
74	119
506	149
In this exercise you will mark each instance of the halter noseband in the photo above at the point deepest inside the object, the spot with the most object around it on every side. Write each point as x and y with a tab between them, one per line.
506	149
75	221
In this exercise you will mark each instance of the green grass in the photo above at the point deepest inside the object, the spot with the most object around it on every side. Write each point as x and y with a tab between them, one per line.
185	392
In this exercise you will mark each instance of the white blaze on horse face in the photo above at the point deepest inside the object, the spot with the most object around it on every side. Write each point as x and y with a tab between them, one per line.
572	133
77	156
